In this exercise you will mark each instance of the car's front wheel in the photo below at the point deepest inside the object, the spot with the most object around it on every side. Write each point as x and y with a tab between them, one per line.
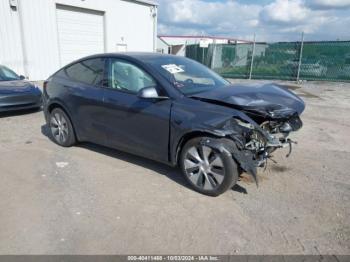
207	170
61	128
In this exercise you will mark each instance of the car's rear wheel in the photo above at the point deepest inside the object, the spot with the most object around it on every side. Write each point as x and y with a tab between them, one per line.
207	170
61	128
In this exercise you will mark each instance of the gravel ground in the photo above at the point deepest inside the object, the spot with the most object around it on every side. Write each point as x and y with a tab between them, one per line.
93	200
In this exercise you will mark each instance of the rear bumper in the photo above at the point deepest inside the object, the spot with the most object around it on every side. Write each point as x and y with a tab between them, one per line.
13	102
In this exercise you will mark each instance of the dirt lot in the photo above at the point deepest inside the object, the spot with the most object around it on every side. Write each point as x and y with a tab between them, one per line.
92	200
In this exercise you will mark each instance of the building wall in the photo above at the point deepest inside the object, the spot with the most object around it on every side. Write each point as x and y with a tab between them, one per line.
129	23
11	53
191	41
162	47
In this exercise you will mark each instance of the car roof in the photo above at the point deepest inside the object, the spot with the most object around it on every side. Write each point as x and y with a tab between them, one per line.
135	55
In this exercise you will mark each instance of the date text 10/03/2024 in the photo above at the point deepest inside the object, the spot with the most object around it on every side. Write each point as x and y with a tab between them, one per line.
173	258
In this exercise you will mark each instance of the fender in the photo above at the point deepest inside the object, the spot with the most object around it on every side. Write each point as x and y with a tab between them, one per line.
175	150
61	104
244	158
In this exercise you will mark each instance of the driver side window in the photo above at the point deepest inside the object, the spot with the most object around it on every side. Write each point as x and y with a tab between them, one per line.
125	76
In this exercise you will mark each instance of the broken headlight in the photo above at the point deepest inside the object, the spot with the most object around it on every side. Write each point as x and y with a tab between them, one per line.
285	128
281	112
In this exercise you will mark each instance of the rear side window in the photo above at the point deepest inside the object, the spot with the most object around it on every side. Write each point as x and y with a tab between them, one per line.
89	71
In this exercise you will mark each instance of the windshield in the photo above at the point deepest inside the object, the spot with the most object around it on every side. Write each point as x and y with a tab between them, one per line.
7	74
189	76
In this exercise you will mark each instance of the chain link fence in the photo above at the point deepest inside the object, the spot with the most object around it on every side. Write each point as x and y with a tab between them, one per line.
326	60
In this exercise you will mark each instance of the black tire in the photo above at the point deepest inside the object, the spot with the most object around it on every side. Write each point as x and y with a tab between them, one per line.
226	170
61	129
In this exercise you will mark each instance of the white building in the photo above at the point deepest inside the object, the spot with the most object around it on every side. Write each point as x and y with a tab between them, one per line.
37	37
176	45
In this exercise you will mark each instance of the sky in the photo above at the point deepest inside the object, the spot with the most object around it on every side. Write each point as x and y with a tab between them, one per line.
270	20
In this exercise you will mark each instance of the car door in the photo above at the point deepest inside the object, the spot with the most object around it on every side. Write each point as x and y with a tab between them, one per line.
135	124
85	98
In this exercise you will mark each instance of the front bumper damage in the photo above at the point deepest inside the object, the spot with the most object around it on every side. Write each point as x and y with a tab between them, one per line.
251	145
244	158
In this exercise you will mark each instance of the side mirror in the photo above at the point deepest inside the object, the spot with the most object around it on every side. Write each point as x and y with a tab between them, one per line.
22	77
150	93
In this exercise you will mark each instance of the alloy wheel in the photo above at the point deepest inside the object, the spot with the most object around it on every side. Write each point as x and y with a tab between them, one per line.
204	167
59	128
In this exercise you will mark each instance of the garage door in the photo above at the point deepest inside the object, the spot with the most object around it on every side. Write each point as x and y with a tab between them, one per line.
80	33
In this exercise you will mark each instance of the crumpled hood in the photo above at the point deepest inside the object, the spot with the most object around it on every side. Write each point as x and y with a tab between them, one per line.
7	87
269	99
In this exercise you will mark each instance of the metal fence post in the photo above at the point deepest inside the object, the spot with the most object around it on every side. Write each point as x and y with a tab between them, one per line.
213	56
300	55
203	61
252	60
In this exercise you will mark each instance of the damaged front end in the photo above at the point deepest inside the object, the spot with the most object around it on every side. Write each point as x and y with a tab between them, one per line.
251	144
262	118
